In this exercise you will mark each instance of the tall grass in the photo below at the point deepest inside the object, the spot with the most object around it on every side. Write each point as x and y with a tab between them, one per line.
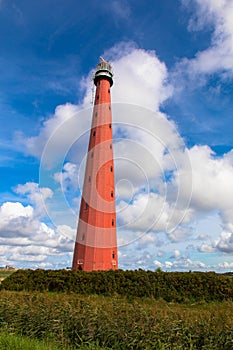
97	322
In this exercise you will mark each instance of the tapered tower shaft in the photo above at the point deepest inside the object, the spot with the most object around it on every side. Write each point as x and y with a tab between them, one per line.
96	242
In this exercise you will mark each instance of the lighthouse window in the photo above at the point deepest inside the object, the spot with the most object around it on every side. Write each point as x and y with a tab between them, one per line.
89	179
110	125
96	114
92	154
110	146
112	194
113	254
97	97
111	169
109	91
109	107
87	205
94	133
83	237
112	222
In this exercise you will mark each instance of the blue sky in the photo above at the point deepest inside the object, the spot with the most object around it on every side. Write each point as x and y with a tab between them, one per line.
172	118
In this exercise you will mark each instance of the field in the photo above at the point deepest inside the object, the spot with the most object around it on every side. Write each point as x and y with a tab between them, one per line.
72	321
5	273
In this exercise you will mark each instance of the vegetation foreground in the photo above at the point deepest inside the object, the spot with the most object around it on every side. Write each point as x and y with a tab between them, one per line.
116	310
97	322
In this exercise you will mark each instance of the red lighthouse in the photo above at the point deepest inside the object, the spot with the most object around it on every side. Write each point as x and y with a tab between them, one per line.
96	242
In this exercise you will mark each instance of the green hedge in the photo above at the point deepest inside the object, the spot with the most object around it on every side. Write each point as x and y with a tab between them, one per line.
170	286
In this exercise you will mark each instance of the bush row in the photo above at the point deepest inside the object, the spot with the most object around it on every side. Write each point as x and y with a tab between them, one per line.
170	286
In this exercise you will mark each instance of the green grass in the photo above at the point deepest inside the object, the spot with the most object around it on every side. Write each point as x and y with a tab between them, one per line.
16	342
5	273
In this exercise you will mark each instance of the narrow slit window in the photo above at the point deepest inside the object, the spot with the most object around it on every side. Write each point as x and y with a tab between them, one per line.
113	255
112	222
109	108
109	91
94	133
92	154
96	114
83	237
110	146
87	206
111	168
110	126
112	194
89	179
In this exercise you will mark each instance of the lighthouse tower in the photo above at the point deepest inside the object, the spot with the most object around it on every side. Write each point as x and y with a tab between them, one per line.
96	242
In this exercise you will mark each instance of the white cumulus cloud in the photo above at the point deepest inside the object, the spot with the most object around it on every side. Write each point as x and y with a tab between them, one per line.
219	16
25	237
